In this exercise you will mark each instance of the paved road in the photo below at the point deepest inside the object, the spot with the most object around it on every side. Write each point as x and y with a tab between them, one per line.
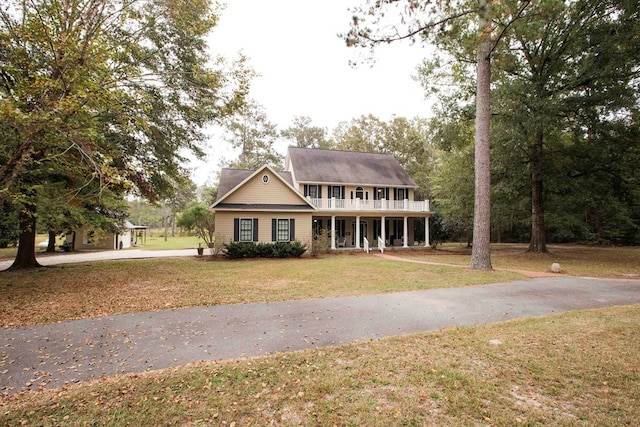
73	351
84	256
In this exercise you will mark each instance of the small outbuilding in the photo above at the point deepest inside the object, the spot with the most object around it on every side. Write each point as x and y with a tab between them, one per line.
121	236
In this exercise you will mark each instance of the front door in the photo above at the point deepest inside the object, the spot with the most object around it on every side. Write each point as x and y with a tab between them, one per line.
363	232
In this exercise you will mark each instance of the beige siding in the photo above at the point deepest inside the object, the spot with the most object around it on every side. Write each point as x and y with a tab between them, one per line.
256	192
224	224
99	240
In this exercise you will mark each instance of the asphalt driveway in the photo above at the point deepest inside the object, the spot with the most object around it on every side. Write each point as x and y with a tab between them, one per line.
72	351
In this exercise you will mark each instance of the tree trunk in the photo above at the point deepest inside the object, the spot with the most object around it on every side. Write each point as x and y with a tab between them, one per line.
51	246
538	240
480	253
26	256
165	227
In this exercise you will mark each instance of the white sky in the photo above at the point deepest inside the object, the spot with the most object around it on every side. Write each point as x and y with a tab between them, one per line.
304	66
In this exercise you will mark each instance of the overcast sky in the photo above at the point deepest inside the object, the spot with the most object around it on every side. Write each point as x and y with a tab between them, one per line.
304	67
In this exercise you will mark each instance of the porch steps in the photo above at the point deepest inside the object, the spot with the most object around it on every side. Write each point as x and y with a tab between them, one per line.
380	246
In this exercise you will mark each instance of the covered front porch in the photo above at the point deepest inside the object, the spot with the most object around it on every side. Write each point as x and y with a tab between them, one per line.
371	232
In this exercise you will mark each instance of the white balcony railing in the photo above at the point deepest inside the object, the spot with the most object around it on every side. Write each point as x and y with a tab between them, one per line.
370	205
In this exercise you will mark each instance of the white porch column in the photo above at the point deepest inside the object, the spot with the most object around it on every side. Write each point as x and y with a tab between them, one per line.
405	240
383	232
426	232
333	232
357	232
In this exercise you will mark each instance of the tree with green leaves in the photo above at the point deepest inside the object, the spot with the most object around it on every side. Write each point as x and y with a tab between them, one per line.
564	120
452	178
181	197
197	217
105	94
8	221
364	133
408	140
567	83
250	131
303	134
143	212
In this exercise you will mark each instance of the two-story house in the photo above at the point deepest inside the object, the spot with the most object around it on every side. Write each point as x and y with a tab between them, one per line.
363	199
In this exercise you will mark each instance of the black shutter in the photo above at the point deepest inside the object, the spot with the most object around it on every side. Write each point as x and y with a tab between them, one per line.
386	193
319	191
342	193
306	190
236	229
292	229
274	230
255	229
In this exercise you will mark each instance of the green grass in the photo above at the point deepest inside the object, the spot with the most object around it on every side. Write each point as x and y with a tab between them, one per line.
575	260
578	368
10	252
156	242
7	253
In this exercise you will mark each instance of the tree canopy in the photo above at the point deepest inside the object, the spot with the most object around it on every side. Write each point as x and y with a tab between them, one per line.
303	134
250	131
197	217
565	127
104	96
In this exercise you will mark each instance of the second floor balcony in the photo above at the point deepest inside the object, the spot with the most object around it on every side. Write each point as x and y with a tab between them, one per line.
359	205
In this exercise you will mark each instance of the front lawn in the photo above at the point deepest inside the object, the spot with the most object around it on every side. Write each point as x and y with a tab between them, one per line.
577	368
575	260
573	369
72	291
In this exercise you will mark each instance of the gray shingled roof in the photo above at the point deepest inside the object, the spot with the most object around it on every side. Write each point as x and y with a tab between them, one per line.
230	178
347	167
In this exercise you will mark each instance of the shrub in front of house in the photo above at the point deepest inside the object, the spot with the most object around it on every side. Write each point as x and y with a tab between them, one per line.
321	242
237	250
293	249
